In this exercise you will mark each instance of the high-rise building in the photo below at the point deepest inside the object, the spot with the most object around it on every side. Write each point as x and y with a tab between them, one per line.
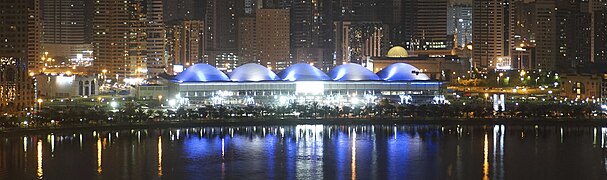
357	41
176	11
120	39
185	43
221	32
594	7
600	37
491	24
307	24
273	37
20	36
247	40
573	36
156	38
459	25
424	25
64	27
545	34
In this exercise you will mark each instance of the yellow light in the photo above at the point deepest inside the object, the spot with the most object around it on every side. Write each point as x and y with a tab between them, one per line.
68	72
40	101
31	73
104	71
45	53
159	97
501	74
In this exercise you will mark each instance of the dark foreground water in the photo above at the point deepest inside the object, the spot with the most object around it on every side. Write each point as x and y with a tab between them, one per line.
310	152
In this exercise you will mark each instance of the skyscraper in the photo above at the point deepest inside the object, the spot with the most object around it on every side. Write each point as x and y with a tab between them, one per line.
64	28
273	37
545	34
20	36
221	34
573	36
600	37
156	36
355	42
176	11
120	39
459	25
247	40
490	33
186	43
306	26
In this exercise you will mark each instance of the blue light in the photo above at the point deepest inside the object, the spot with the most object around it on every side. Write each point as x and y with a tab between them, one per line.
253	72
303	72
401	72
201	73
352	72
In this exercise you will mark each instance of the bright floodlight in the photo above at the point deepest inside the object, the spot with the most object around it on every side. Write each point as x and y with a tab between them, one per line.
172	102
114	104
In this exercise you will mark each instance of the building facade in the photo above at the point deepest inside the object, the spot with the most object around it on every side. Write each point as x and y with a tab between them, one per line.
66	86
120	39
156	62
491	24
273	38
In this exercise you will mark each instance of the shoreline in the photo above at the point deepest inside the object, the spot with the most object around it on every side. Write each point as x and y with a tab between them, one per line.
323	121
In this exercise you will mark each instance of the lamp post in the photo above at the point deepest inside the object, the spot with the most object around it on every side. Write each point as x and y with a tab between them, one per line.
39	104
160	100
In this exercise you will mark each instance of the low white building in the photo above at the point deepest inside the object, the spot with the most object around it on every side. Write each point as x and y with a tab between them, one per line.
64	86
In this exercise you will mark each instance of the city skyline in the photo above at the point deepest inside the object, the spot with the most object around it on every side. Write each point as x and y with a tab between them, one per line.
146	41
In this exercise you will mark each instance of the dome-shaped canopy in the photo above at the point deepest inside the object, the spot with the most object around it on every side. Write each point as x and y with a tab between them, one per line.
303	72
352	72
252	72
401	72
201	73
397	52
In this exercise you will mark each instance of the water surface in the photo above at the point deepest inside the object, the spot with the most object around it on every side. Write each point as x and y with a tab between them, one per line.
310	152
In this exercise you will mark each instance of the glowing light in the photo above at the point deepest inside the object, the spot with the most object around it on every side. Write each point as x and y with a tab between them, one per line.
303	72
200	73
309	87
159	155
252	72
39	170
114	104
401	72
353	163
352	72
486	158
172	102
61	80
99	168
223	146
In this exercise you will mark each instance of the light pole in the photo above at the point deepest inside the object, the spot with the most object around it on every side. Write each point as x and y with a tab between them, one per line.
39	104
160	100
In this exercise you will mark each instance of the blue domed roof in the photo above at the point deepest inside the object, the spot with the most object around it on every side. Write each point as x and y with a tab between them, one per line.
252	72
303	72
201	73
352	72
401	72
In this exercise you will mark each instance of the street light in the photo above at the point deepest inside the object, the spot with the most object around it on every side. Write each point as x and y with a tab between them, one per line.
39	103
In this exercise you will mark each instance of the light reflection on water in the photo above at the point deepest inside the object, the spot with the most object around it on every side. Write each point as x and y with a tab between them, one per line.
311	152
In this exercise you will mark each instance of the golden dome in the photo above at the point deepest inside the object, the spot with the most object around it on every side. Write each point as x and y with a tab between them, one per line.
397	52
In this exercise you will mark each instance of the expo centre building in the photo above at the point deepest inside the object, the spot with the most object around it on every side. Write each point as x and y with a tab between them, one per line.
347	84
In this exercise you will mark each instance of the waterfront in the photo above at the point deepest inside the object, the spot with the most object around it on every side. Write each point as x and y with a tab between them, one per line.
310	152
